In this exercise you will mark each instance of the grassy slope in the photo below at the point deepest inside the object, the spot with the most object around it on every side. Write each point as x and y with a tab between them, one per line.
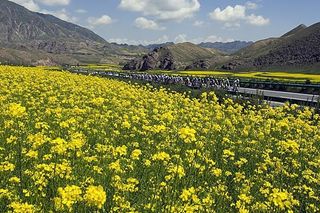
271	46
188	52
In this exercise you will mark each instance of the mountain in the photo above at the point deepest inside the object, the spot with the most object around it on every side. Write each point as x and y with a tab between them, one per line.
295	30
151	47
18	24
28	37
175	56
227	47
296	50
299	49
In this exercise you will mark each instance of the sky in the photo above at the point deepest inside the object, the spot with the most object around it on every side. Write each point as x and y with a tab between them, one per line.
158	21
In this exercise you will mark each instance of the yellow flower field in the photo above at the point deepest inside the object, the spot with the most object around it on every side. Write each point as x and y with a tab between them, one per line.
279	76
71	143
105	67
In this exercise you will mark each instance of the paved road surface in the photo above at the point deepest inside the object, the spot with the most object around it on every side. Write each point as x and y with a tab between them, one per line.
278	94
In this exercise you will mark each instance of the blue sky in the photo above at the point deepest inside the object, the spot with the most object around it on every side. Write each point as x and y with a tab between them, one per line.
157	21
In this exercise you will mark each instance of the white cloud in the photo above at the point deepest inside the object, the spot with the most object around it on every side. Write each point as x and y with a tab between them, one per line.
211	38
231	25
233	15
54	2
251	5
198	23
163	9
133	5
103	20
180	38
33	5
81	11
147	24
29	4
61	14
258	20
162	39
122	41
229	13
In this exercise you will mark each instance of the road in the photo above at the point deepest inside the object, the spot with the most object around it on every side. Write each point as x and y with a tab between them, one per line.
282	95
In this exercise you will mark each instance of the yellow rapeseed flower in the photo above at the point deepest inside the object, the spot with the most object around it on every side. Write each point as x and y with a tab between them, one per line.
187	134
16	110
282	199
135	154
18	207
68	196
95	196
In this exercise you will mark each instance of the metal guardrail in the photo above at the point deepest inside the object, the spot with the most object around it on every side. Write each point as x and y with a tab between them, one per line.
314	86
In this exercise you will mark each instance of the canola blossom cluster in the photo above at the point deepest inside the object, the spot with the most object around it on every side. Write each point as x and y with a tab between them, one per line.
71	143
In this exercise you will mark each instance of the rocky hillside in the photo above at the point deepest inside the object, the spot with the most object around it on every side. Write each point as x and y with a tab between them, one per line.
18	24
298	49
176	56
295	30
29	38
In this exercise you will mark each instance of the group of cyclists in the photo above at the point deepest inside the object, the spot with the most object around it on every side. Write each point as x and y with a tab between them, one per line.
189	81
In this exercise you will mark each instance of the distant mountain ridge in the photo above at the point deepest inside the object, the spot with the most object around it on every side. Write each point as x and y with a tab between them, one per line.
227	47
151	47
28	37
